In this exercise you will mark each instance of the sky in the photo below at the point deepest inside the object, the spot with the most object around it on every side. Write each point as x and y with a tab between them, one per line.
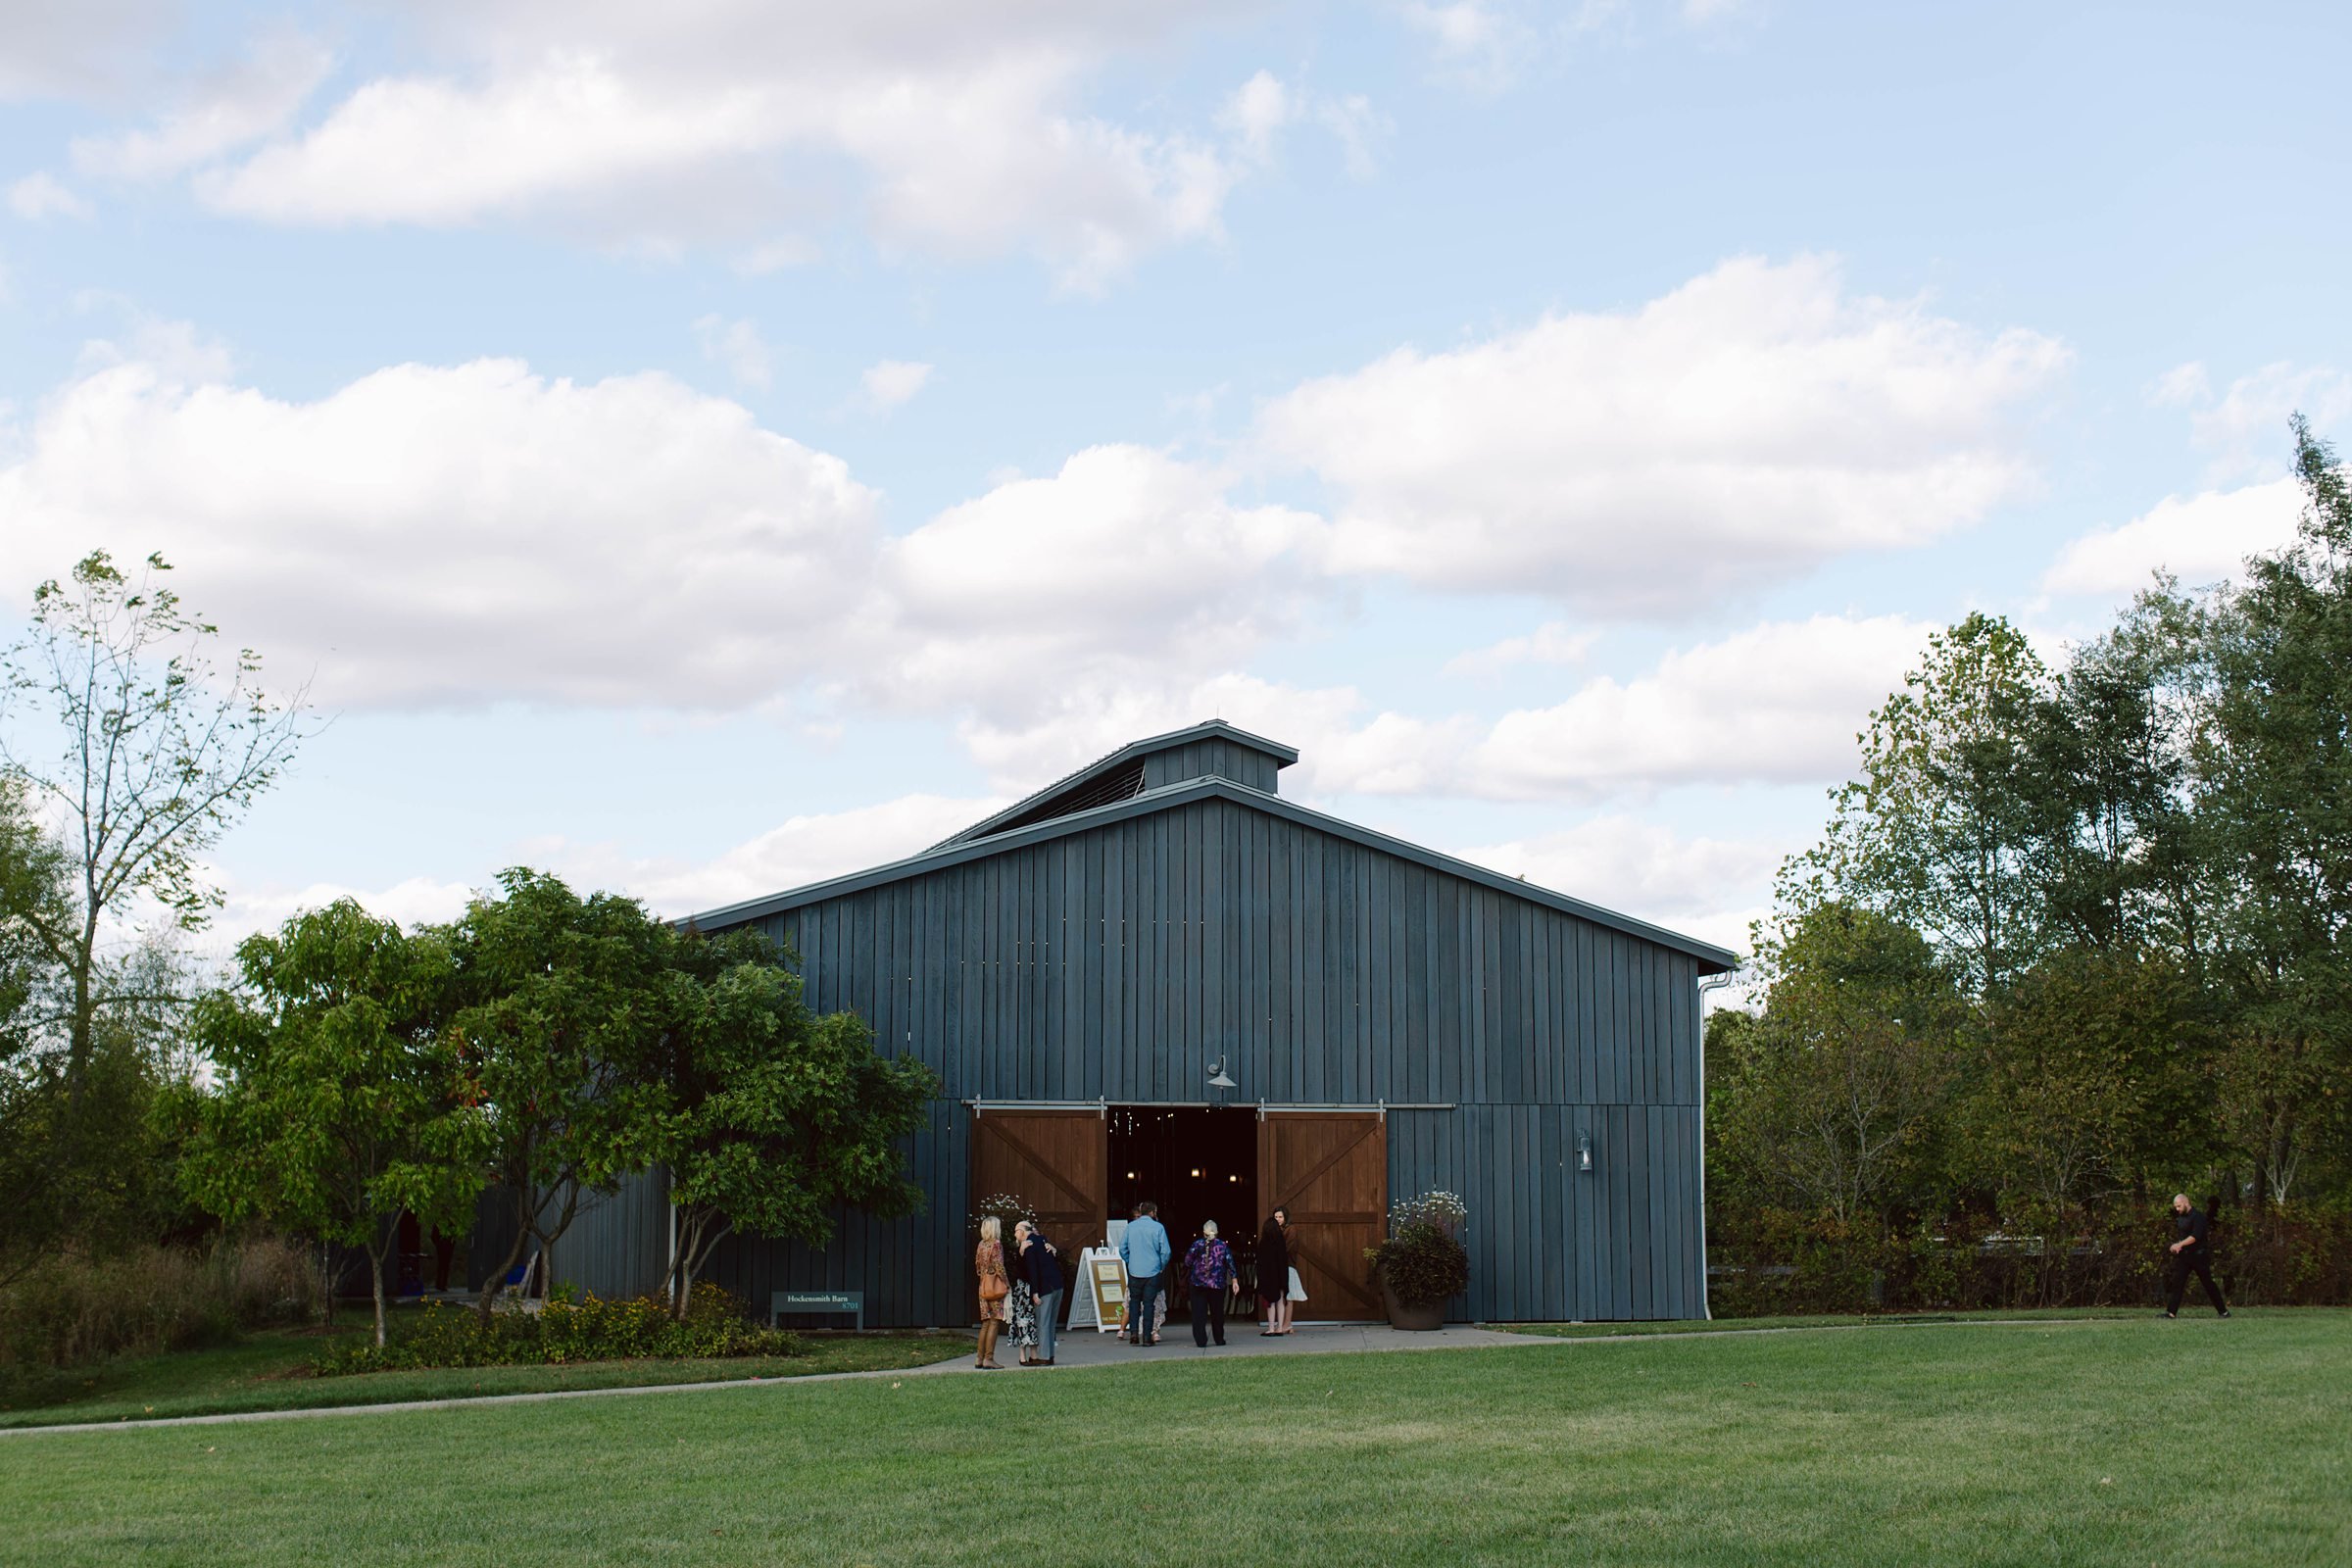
703	448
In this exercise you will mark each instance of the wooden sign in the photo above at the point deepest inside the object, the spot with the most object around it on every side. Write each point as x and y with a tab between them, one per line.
1105	1289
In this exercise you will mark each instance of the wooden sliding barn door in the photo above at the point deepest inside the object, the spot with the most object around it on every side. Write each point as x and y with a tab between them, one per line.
1057	1160
1330	1169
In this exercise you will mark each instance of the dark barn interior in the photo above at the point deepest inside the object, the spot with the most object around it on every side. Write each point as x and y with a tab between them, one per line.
1196	1162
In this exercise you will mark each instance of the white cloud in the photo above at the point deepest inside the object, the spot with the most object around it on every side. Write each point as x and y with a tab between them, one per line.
40	195
1751	423
459	535
82	49
219	113
958	129
414	901
739	347
1257	112
1126	561
1553	643
1777	704
888	383
2245	428
797	852
1710	887
2199	539
1475	43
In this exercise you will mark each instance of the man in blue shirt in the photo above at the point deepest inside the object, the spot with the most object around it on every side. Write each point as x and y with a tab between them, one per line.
1145	1250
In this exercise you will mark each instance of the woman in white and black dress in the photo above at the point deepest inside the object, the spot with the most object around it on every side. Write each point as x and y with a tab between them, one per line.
1021	1301
1274	1273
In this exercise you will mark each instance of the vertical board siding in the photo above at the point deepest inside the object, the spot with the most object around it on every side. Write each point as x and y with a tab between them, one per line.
1117	962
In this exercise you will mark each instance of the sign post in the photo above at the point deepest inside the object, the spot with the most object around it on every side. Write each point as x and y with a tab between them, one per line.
1102	1298
816	1301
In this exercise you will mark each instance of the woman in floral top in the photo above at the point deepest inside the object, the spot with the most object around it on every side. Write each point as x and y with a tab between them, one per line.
1210	1276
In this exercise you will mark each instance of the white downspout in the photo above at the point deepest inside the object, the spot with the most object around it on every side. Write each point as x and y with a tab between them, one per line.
1713	982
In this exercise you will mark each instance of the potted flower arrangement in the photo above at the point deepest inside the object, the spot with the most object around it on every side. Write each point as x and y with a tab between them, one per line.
1423	1264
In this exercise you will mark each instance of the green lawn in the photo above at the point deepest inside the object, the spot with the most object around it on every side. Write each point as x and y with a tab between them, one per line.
1829	1320
269	1372
2081	1442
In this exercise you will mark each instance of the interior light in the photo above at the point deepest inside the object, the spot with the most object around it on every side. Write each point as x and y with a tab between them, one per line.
1195	1173
1131	1175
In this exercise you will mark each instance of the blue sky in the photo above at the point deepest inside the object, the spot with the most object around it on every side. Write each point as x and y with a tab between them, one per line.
707	452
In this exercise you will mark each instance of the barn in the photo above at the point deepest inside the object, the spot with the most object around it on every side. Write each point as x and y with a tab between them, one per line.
1157	977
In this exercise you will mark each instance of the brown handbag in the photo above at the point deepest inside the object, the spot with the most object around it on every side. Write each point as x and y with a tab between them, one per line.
994	1286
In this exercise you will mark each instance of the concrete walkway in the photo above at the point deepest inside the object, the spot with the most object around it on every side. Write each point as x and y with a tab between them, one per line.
1078	1351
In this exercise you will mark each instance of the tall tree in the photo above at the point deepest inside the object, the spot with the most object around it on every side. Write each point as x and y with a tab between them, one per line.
160	747
2114	858
569	1011
778	1118
338	1107
32	890
1939	829
1840	1091
2274	785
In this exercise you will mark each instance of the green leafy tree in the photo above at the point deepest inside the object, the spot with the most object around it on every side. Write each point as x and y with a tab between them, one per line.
161	748
2274	787
33	1216
778	1118
2115	854
2095	1081
569	1014
1937	831
1833	1101
337	1105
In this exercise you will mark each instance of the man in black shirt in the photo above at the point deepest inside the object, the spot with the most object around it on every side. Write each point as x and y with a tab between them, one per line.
2192	1253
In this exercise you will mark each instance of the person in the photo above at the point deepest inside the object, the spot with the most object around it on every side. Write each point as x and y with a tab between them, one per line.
1273	1272
1043	1264
1145	1250
1020	1303
989	1260
1296	1290
1210	1276
2192	1253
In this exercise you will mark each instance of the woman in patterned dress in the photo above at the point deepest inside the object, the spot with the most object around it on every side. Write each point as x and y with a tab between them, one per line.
1021	1302
989	1261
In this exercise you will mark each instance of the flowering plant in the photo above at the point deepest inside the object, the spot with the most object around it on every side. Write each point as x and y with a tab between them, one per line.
1424	1262
1009	1207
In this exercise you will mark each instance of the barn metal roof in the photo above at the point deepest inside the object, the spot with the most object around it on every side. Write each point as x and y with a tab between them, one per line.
1116	776
963	848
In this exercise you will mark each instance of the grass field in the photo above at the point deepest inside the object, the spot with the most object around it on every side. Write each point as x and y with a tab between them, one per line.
2094	1441
269	1372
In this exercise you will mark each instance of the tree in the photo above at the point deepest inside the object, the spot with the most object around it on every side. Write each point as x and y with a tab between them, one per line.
31	890
338	1107
163	749
1937	830
778	1118
1838	1091
2115	857
2096	1079
567	1014
2273	780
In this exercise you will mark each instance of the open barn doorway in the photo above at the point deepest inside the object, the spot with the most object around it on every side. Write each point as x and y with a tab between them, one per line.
1196	1162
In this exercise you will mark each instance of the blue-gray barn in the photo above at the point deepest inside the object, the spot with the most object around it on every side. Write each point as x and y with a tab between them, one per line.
1160	978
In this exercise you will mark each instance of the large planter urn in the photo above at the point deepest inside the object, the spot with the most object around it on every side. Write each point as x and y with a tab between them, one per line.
1416	1319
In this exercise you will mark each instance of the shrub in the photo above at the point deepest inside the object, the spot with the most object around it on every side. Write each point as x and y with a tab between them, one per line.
1423	1261
716	1326
72	1309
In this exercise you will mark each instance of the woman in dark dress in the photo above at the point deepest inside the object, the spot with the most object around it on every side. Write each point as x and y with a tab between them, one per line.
1021	1302
1273	1273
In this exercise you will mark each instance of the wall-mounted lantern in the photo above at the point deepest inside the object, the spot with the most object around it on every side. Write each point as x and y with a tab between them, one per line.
1584	1152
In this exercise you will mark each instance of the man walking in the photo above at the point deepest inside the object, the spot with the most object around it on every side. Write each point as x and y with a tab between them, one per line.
1145	1250
2193	1252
